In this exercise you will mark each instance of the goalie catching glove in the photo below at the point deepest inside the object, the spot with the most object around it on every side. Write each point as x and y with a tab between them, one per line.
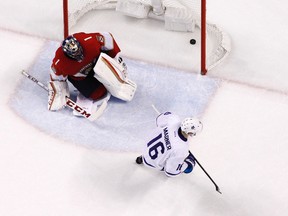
57	93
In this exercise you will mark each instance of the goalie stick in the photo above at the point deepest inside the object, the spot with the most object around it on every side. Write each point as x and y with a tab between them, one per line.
70	103
216	186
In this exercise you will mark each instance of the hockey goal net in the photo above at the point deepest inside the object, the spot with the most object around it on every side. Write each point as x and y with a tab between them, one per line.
178	15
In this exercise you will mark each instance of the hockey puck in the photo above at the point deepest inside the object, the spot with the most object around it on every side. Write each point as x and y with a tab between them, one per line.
139	160
192	41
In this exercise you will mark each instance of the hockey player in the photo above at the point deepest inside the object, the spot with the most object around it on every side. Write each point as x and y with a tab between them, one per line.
93	64
168	149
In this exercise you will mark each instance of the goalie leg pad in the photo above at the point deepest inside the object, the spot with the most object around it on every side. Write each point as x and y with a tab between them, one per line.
126	91
113	76
92	106
57	93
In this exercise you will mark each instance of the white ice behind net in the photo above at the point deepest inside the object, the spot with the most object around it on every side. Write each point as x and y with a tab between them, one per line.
178	13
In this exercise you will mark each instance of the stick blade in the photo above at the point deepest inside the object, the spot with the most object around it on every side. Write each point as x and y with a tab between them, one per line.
218	190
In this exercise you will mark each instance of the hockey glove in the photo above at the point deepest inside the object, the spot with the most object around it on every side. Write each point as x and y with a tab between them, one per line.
190	161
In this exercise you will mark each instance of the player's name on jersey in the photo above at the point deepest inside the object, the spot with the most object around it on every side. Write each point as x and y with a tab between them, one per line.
166	138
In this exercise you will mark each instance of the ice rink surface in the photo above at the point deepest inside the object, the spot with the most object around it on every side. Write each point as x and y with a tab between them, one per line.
57	164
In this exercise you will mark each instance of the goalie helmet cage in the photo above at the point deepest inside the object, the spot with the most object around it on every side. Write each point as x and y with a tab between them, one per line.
83	6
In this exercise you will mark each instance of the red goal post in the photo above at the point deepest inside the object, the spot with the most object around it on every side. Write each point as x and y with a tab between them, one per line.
194	12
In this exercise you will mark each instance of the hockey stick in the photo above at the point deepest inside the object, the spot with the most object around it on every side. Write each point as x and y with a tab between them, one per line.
216	186
70	103
155	109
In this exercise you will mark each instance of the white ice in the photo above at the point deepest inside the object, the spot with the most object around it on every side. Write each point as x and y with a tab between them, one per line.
90	169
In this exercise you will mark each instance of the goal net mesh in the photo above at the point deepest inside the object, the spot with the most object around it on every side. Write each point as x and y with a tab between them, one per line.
177	14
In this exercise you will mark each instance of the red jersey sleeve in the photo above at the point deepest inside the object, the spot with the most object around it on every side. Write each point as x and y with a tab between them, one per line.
108	43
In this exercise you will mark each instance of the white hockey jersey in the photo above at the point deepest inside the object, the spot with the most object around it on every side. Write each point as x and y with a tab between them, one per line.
167	148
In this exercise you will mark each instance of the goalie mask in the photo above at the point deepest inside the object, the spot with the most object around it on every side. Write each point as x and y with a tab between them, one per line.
72	48
191	126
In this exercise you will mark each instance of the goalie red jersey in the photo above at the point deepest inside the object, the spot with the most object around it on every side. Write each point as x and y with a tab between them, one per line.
81	63
93	65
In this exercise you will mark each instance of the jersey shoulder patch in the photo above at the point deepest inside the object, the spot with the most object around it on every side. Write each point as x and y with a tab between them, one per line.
100	39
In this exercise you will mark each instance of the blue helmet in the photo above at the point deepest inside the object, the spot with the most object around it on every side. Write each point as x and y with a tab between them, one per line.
72	48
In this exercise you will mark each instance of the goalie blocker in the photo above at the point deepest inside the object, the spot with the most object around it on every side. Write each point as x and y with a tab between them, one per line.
113	76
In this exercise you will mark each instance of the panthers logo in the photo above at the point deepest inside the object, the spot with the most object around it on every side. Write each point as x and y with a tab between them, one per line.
86	69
